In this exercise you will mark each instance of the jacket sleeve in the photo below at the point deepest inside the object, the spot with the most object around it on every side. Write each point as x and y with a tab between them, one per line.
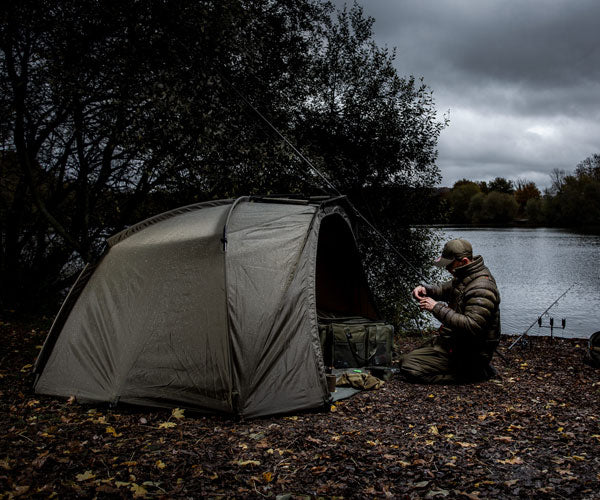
440	292
481	300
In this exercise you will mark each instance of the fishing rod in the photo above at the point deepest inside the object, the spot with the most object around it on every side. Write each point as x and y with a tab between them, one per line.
536	321
330	186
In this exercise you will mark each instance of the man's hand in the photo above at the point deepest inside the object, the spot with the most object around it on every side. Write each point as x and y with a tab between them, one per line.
427	304
419	293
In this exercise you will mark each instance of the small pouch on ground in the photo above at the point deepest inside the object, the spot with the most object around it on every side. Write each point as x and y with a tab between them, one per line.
359	381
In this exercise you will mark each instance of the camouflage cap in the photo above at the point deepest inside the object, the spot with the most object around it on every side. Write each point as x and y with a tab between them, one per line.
453	250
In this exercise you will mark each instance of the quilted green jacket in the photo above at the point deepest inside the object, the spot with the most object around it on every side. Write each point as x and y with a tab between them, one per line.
471	320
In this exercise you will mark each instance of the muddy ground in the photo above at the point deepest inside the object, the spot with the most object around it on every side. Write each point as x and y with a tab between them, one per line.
534	432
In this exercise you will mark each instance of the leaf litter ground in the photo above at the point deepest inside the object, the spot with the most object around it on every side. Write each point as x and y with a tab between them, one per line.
532	433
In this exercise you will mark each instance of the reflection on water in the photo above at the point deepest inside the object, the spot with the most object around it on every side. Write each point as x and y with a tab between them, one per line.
533	267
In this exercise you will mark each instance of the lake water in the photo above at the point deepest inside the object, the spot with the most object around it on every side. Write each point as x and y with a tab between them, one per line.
533	267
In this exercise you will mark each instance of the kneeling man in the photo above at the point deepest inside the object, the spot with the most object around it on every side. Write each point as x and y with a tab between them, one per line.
470	329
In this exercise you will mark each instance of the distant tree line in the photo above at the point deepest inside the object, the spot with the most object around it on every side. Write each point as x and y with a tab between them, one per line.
114	111
573	200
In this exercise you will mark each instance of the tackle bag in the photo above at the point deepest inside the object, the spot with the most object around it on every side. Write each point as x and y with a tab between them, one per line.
356	342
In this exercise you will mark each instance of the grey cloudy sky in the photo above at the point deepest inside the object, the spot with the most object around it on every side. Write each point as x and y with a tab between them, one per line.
520	78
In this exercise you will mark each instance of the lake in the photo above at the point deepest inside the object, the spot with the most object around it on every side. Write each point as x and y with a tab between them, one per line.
533	267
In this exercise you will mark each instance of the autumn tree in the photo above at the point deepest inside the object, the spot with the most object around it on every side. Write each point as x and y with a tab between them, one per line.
535	211
114	111
589	168
499	208
501	185
576	199
110	108
460	199
475	210
374	134
525	191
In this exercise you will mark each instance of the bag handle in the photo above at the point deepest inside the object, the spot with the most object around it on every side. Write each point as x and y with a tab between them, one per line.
357	358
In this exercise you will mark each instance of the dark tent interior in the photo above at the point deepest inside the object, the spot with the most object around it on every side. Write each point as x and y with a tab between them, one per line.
341	286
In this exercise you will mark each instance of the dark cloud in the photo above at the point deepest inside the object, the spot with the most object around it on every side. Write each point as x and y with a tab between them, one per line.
521	79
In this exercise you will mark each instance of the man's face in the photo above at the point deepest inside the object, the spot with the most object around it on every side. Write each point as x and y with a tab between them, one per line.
457	263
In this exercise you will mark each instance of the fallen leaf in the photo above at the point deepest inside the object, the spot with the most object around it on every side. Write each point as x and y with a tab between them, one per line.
474	495
106	488
318	470
267	476
245	463
564	472
138	491
503	439
111	430
17	492
160	464
437	493
86	476
177	413
167	425
434	430
511	461
40	460
466	445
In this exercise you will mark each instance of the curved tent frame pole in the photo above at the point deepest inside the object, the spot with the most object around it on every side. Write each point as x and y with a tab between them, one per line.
224	238
234	390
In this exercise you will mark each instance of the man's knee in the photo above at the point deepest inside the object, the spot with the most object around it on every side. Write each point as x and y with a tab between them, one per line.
426	365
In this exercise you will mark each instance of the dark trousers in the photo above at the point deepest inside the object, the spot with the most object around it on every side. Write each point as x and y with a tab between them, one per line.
434	364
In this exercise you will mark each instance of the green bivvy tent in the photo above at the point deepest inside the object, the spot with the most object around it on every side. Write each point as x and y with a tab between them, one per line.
212	306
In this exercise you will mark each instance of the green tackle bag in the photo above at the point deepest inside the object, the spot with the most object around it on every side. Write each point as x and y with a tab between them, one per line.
356	342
